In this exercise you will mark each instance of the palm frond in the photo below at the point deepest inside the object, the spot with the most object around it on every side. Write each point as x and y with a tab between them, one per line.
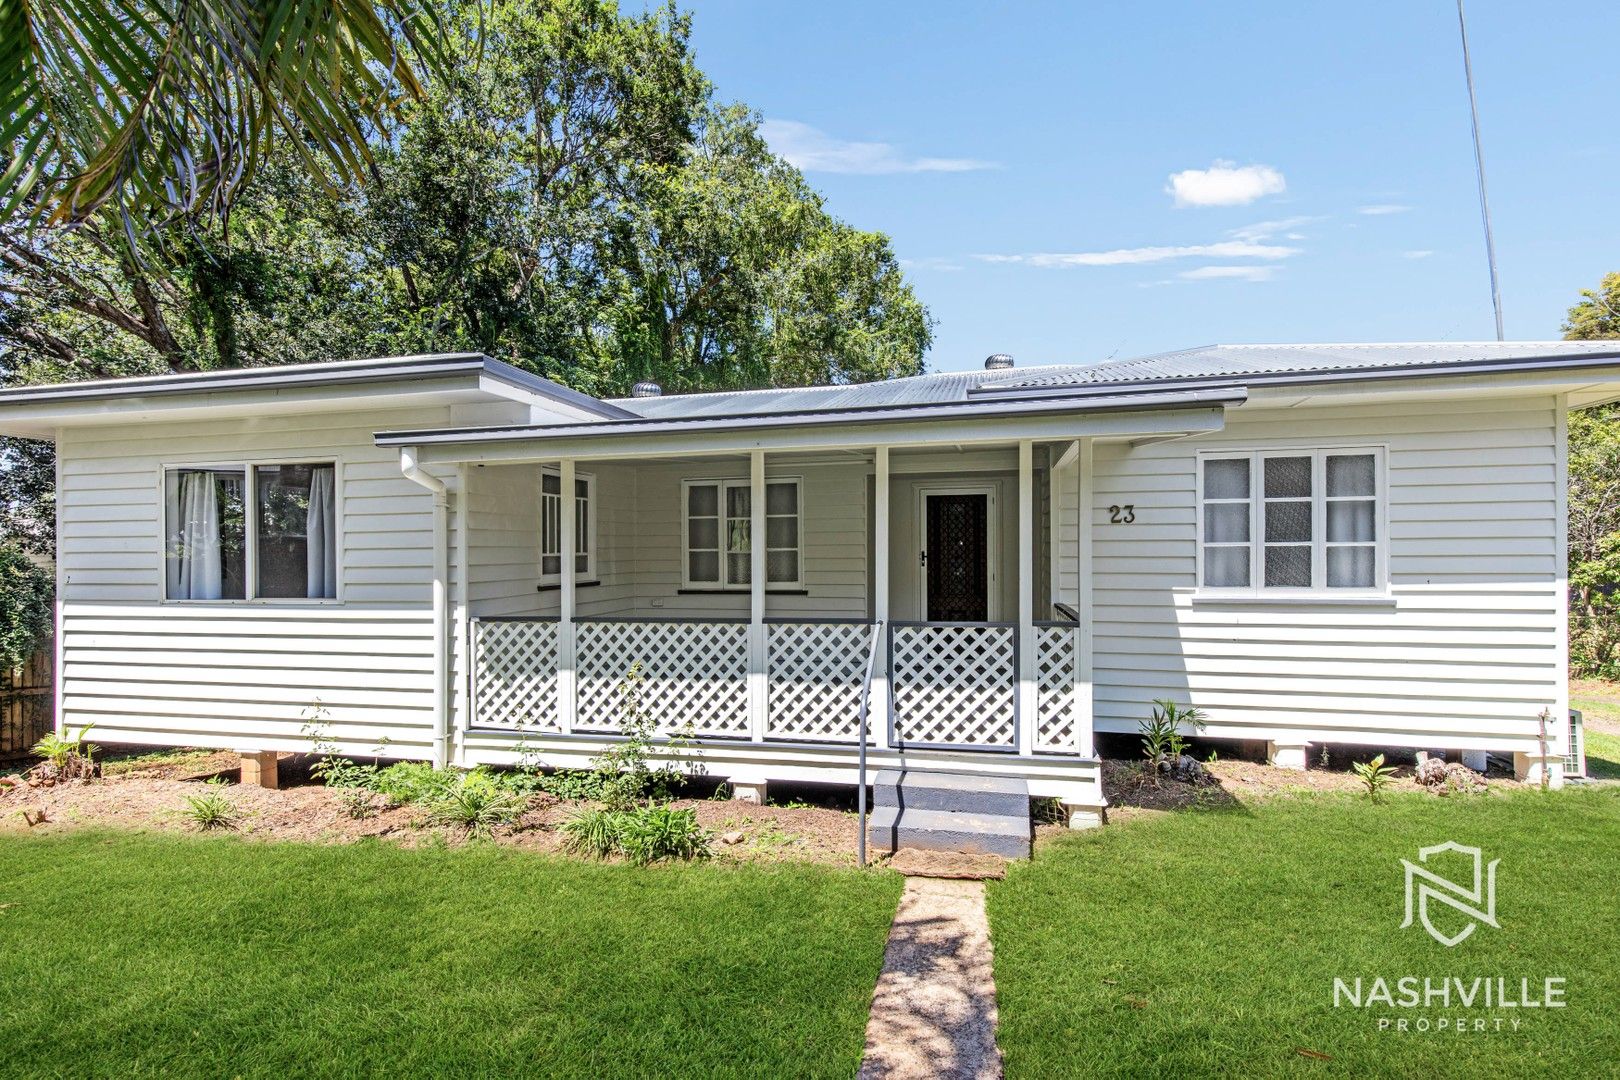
162	108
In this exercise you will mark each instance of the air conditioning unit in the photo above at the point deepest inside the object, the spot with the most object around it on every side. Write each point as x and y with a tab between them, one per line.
1575	760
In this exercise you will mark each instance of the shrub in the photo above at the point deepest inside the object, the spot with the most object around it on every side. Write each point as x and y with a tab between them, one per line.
623	771
413	782
65	759
652	833
26	608
646	834
1162	744
1374	774
592	832
210	810
476	803
573	784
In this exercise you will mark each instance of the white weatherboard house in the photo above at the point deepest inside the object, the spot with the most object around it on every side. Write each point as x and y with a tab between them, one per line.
1359	544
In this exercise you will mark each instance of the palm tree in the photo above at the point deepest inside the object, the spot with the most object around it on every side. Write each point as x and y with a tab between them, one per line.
158	110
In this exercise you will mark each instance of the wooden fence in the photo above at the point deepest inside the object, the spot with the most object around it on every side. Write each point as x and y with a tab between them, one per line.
27	704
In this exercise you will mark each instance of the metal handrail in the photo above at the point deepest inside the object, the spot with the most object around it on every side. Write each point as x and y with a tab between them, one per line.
866	700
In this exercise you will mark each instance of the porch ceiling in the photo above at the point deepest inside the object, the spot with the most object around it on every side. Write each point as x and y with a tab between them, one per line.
1105	416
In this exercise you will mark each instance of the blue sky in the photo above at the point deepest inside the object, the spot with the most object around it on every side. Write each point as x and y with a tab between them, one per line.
1022	156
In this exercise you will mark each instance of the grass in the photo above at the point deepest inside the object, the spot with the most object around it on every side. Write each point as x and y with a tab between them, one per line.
1207	943
1600	709
146	954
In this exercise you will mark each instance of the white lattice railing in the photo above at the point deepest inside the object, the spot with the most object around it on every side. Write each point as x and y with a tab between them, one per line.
816	674
693	673
1056	647
514	683
954	684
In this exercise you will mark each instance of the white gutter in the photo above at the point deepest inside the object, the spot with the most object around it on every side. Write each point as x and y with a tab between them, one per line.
408	465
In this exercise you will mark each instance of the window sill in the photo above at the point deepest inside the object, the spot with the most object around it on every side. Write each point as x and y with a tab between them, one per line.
555	586
258	602
1261	600
770	590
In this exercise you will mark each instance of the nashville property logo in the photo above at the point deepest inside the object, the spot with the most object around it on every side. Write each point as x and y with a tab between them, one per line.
1423	885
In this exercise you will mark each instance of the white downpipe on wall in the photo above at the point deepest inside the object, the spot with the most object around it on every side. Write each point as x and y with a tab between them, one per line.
412	470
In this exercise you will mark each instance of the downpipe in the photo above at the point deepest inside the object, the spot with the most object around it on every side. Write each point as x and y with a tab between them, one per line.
410	466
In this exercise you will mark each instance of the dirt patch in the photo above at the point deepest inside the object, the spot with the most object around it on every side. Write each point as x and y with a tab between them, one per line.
151	793
1235	783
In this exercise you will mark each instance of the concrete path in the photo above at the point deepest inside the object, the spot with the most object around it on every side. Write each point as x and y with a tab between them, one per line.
934	1013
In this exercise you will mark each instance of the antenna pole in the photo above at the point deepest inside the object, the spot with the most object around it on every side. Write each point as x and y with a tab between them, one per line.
1479	168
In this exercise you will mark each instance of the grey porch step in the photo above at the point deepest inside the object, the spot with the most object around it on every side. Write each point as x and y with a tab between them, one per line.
891	828
913	789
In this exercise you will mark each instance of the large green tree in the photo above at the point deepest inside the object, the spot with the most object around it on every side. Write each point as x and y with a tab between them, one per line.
1594	502
565	193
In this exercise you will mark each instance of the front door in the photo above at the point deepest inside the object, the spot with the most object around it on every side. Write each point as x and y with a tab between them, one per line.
956	556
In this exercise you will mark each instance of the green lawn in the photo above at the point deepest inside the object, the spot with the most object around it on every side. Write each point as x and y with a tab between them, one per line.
1208	942
211	957
1600	708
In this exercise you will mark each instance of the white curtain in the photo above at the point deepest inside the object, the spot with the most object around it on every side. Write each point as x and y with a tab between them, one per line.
321	532
194	552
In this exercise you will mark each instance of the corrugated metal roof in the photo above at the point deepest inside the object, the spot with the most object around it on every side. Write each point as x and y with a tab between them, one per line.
941	386
1215	361
1203	363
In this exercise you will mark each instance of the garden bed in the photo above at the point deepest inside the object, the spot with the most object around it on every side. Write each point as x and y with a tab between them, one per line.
150	791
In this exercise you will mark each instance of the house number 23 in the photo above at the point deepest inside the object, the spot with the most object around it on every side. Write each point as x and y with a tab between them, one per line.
1122	515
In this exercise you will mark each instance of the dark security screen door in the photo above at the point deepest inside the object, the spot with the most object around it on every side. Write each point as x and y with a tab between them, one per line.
958	557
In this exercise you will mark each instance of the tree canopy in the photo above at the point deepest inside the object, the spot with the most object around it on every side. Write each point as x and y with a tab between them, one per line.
1594	503
560	189
567	195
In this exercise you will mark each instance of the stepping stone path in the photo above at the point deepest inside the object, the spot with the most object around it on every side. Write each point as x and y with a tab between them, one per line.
934	1012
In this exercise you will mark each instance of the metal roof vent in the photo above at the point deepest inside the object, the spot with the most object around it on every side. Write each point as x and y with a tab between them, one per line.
646	388
998	361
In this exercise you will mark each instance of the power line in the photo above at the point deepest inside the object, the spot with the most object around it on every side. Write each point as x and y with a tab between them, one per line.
1479	168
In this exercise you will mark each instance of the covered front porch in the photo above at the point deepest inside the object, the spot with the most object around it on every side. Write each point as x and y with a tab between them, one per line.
917	603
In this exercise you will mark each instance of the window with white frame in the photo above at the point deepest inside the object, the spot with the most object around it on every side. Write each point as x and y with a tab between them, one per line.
1298	520
551	526
250	532
718	519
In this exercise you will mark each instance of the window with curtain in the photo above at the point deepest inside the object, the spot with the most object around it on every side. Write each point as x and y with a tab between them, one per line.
718	523
1299	520
551	526
251	532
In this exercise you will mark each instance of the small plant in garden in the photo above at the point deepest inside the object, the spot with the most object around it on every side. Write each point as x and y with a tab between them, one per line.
1162	744
210	810
477	803
643	835
592	831
626	776
1374	774
331	770
65	758
358	803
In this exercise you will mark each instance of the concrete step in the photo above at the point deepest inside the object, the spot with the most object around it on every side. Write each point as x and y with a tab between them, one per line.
960	792
890	828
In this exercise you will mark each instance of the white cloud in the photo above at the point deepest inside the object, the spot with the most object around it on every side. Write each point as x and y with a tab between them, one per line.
1382	209
813	150
1225	249
1229	273
1225	183
1261	231
1424	254
932	262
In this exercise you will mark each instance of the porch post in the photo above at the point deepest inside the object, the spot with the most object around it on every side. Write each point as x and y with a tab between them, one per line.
1026	597
1084	721
566	682
877	711
756	594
